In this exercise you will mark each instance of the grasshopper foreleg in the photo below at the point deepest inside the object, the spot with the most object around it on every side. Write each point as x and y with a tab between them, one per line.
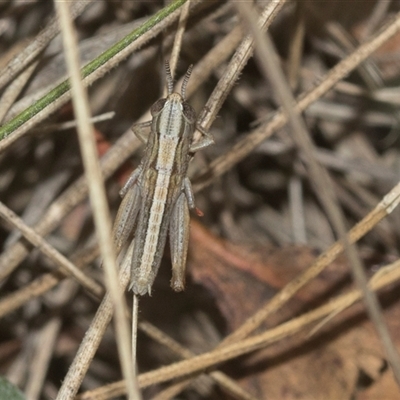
141	131
205	141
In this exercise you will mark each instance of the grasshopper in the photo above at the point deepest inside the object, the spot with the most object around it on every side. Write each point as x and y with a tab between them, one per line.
158	194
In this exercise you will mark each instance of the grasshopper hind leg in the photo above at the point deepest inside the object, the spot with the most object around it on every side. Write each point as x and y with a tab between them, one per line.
126	217
179	241
132	180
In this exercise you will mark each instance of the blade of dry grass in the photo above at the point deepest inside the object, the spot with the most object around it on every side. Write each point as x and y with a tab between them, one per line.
296	47
135	317
295	192
378	14
45	343
269	63
68	268
43	283
97	196
14	89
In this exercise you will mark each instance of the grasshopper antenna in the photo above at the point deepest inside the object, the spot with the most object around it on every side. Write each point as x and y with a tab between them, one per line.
170	81
186	80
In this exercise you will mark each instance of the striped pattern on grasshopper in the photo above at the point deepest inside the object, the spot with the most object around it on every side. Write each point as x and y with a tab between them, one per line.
158	195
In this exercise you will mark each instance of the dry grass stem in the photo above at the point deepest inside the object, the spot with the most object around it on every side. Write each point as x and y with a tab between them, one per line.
42	285
14	89
65	265
72	124
45	342
97	196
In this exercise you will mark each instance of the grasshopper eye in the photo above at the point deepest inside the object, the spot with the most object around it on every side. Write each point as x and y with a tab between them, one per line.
189	113
157	107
